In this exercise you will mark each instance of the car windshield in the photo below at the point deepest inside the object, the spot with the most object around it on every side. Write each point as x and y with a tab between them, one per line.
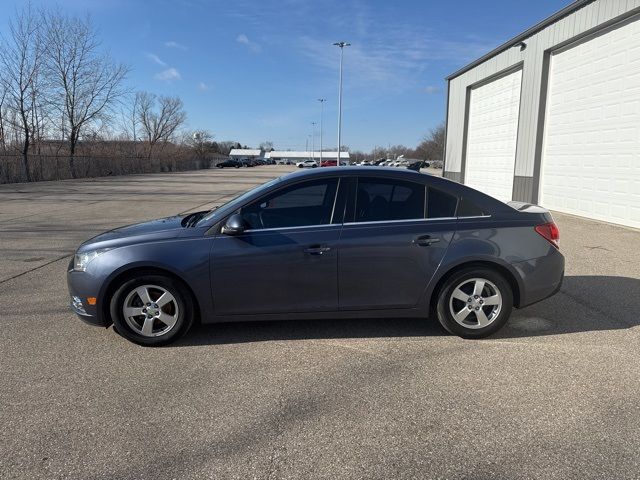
237	201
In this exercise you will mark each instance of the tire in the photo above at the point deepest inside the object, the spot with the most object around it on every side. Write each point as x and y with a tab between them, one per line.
161	324
237	166
219	166
477	316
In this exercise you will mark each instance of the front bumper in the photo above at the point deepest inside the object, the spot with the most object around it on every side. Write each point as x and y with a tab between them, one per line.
82	285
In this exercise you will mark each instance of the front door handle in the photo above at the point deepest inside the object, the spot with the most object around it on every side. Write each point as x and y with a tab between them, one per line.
317	249
425	241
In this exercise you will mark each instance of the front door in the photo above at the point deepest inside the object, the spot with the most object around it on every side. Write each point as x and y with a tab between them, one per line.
286	260
389	248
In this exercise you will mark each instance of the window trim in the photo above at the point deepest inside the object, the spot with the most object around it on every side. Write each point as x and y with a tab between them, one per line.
474	216
375	222
322	225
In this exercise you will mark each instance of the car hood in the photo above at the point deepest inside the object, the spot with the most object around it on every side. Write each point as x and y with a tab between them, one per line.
160	229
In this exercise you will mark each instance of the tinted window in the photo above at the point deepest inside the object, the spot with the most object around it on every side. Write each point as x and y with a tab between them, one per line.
440	204
379	199
467	208
308	203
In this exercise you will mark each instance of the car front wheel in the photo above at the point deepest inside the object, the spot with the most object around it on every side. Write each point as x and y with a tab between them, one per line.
152	310
474	303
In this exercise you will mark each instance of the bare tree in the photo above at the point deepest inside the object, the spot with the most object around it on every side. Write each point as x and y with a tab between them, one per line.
432	145
21	56
159	124
129	120
267	146
3	136
201	141
86	82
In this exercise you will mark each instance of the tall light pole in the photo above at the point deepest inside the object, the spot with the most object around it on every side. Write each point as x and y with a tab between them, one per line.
313	141
321	100
341	45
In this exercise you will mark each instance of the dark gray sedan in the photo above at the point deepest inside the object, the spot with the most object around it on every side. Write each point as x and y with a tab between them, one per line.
324	243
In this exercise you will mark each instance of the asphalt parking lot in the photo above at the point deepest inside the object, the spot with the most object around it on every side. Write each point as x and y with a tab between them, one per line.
556	394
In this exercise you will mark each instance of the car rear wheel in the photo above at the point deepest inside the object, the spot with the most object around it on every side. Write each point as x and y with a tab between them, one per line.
474	303
152	310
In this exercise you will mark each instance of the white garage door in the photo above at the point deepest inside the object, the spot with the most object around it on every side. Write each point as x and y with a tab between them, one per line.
492	135
591	157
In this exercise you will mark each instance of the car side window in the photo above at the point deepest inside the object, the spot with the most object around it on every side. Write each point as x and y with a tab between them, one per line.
467	208
303	204
382	199
441	204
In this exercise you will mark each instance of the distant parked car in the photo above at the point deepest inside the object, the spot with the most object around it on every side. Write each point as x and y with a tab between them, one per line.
331	163
319	244
417	165
229	163
307	164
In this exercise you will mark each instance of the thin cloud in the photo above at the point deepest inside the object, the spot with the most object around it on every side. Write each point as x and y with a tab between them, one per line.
397	60
172	44
168	75
252	46
431	89
156	59
203	87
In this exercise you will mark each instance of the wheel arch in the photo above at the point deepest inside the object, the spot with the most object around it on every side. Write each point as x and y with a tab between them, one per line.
510	276
113	282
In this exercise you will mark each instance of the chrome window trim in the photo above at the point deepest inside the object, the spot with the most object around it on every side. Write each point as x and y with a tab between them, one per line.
323	225
474	216
402	221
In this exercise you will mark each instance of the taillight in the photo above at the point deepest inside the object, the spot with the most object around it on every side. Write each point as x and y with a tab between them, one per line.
550	232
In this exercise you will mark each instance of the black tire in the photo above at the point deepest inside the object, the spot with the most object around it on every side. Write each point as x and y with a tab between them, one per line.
182	298
219	166
237	166
445	317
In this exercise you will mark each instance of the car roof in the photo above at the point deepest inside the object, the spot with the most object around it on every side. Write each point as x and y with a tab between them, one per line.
405	174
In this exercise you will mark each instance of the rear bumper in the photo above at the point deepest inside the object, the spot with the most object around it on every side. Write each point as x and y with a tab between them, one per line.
541	277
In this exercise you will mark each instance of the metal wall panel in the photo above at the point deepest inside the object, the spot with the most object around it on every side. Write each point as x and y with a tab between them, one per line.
588	17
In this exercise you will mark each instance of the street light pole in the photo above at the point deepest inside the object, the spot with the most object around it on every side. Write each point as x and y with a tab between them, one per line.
321	100
341	45
313	141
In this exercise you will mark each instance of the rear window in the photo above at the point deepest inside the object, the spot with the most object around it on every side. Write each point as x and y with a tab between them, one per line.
467	208
441	204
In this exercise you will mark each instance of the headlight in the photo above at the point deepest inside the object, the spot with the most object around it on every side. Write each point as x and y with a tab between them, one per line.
81	260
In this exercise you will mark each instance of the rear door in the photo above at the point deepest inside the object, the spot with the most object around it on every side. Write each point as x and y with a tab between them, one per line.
394	237
286	260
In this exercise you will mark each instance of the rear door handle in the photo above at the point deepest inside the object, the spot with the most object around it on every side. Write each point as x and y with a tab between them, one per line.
317	249
425	241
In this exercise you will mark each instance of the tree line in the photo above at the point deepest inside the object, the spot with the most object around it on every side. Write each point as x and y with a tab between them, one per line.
59	90
430	147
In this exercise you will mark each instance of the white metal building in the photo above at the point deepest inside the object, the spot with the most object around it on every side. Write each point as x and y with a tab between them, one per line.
245	153
298	156
553	116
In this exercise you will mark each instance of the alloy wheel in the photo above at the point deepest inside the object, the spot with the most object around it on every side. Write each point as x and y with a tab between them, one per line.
150	310
475	303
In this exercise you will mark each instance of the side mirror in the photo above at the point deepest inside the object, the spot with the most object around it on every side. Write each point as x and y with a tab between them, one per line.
234	225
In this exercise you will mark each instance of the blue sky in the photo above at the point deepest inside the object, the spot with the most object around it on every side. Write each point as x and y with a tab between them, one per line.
251	70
